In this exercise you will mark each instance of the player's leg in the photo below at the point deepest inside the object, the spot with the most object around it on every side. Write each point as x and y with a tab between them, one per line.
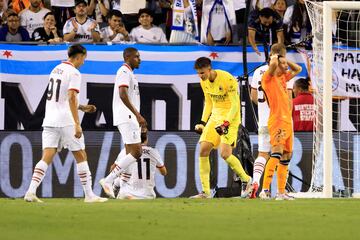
130	133
260	162
50	144
208	140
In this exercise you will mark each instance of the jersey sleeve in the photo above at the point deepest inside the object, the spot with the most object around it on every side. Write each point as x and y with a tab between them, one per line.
233	93
75	81
207	105
123	78
68	27
157	158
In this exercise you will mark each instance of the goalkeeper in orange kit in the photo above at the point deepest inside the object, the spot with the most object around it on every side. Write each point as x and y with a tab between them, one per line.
219	122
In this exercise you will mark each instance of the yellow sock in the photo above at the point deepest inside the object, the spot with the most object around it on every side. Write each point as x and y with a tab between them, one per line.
204	167
269	172
235	165
282	172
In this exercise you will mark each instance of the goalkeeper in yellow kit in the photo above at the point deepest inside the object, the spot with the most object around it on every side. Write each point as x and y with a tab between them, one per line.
219	122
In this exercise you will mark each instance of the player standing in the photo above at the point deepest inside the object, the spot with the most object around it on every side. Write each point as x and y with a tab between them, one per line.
219	122
126	116
280	119
62	125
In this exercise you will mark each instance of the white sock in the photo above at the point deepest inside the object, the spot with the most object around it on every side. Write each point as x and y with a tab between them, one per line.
85	178
121	165
259	166
38	176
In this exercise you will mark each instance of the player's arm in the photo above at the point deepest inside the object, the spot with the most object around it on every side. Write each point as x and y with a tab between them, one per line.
274	62
254	95
205	114
73	103
295	69
235	102
124	96
89	108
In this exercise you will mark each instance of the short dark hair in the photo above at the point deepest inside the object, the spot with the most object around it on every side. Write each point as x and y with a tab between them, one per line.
49	13
266	12
303	83
76	49
128	51
116	13
202	62
147	11
12	14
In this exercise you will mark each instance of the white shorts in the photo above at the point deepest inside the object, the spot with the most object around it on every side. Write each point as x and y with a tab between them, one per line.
264	140
127	192
130	132
62	137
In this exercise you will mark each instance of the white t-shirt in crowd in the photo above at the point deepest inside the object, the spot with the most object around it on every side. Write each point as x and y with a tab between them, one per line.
219	25
62	3
139	178
62	78
31	20
152	35
106	32
83	34
263	107
121	113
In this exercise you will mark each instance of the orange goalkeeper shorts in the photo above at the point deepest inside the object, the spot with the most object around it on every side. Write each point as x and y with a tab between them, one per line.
282	134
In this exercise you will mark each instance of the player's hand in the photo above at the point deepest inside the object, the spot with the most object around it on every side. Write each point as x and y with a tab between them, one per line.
199	127
142	122
88	108
223	128
78	131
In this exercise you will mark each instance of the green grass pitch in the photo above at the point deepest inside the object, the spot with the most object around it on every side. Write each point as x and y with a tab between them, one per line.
180	219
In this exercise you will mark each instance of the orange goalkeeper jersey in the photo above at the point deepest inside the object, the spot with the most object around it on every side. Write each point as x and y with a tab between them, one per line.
277	97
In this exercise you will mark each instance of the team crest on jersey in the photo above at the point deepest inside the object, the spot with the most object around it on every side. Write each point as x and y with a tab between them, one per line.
220	88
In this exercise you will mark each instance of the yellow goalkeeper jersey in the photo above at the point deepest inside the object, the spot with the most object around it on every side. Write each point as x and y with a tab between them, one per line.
222	100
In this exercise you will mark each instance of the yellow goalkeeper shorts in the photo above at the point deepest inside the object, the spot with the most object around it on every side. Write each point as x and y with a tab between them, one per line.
210	135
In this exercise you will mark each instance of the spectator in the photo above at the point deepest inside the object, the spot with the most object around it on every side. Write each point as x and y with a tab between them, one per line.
63	10
13	32
81	28
130	9
33	17
280	7
303	106
218	19
297	22
266	27
116	31
19	5
3	7
184	22
147	32
100	9
49	32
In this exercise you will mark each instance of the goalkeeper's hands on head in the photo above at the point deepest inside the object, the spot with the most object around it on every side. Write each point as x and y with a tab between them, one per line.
223	128
199	127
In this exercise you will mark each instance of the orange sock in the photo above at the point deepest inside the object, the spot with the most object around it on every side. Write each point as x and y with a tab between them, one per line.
282	174
269	170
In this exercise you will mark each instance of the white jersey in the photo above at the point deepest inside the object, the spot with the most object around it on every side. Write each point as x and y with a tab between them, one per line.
121	113
263	107
152	35
83	34
31	20
62	78
62	3
139	178
106	32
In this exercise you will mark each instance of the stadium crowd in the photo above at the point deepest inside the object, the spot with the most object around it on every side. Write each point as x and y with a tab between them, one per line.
210	22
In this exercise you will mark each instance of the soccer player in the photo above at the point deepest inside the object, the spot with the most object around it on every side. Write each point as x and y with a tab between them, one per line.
62	125
264	147
280	121
138	181
126	116
219	122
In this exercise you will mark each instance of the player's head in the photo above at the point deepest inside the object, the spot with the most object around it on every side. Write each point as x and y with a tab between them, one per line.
144	135
301	85
283	65
132	57
203	67
77	54
266	16
278	49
